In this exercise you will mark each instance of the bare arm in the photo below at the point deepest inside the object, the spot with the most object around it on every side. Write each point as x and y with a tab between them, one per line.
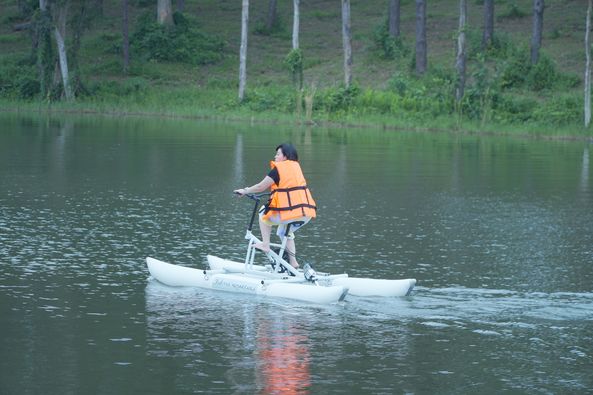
263	185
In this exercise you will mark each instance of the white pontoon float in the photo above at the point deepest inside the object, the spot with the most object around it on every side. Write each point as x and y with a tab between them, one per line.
278	278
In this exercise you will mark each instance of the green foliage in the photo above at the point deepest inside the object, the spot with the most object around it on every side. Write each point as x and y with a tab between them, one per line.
45	56
542	75
513	12
559	110
278	27
482	93
515	69
518	72
294	62
337	99
389	47
109	90
18	80
182	42
501	46
269	99
513	109
144	3
430	94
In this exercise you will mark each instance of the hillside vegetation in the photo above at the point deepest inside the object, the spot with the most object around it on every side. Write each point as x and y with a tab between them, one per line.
193	69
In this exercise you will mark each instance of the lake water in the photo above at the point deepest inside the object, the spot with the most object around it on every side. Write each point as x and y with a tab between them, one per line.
497	231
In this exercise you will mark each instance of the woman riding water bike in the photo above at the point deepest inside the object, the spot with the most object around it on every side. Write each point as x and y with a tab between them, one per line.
290	199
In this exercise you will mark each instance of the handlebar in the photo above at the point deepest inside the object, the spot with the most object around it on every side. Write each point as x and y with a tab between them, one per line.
255	197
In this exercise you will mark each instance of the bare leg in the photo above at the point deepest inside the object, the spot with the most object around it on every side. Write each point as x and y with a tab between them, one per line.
266	231
291	248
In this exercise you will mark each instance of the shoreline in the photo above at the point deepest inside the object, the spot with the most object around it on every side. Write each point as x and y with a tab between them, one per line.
291	119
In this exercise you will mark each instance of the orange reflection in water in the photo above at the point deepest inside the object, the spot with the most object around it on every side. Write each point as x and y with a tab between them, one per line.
283	360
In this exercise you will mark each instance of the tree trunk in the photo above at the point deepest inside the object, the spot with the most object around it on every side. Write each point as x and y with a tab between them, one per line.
125	37
79	22
44	48
295	24
461	52
180	5
60	34
347	42
164	12
488	23
538	21
420	36
271	15
394	18
588	66
243	50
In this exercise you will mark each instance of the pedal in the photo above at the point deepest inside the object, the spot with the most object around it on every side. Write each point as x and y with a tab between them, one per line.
273	264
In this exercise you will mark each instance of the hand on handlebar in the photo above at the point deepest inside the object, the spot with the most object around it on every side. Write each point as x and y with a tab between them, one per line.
254	196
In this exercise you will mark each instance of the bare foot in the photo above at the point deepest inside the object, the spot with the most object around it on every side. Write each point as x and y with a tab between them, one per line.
262	247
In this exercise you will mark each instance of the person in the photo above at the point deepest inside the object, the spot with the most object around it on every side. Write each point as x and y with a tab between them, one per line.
290	199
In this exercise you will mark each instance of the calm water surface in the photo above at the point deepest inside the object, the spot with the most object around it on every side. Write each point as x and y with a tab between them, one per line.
498	233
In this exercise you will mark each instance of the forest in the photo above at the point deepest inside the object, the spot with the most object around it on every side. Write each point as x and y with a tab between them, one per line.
472	65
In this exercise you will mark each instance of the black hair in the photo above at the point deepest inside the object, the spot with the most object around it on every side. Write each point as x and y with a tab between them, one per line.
289	151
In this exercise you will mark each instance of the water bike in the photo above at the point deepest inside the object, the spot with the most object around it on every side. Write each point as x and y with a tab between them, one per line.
277	278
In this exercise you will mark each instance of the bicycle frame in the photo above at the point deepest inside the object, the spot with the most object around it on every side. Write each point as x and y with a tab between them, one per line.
274	257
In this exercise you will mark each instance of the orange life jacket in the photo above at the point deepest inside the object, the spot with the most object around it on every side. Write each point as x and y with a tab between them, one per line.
291	198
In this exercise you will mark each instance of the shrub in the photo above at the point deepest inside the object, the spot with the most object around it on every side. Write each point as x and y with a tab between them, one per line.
18	79
277	29
542	75
389	47
513	12
337	99
515	69
294	62
509	108
560	110
269	99
182	42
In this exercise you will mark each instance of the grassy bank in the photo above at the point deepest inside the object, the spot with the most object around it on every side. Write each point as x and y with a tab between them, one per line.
222	106
504	94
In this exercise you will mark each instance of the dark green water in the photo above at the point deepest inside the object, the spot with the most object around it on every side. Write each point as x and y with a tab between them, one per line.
498	233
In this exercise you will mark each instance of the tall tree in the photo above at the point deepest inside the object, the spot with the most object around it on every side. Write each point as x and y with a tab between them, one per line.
164	14
126	37
59	16
181	5
588	65
538	22
461	52
347	42
294	59
421	36
295	24
243	49
79	22
394	18
271	20
488	23
43	47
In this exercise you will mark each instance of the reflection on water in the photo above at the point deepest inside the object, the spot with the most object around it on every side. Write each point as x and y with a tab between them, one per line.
282	353
263	348
498	232
585	172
